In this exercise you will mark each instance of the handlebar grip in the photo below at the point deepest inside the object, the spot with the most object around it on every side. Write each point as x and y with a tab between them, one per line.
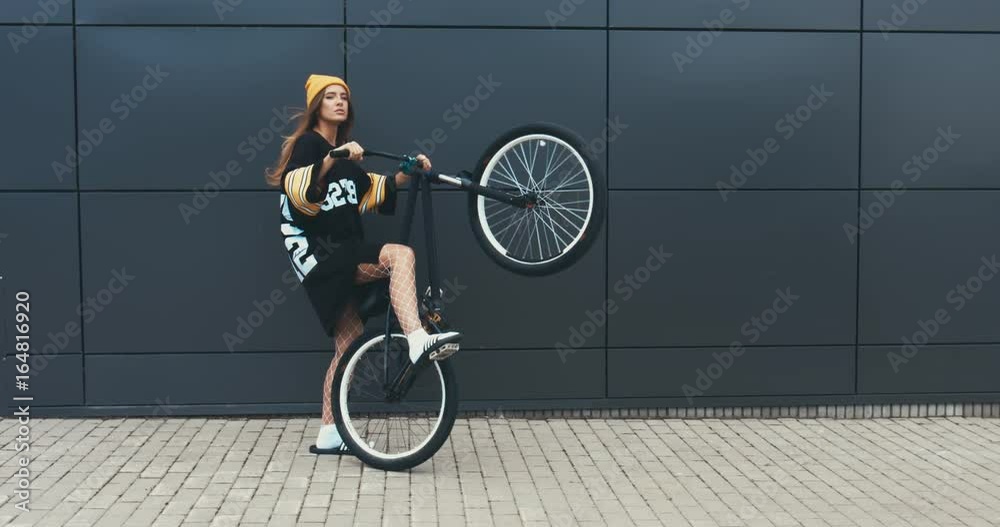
339	153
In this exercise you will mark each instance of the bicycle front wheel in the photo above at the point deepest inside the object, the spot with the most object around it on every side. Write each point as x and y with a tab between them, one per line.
396	434
552	164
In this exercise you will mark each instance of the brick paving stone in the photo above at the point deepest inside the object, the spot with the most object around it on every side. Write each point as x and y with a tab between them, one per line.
934	471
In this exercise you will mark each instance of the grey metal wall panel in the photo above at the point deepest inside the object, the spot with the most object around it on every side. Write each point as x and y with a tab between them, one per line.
753	110
37	151
540	76
930	369
729	260
927	125
253	12
547	13
529	374
930	251
246	378
193	282
783	14
493	307
887	16
55	380
220	101
39	255
31	14
250	378
713	372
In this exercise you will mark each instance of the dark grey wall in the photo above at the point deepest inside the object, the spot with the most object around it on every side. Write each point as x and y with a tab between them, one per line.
766	295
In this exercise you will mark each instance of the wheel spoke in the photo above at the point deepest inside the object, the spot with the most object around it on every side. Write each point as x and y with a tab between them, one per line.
557	224
539	234
520	223
522	157
569	180
505	163
556	207
507	228
555	234
564	203
516	183
553	170
508	208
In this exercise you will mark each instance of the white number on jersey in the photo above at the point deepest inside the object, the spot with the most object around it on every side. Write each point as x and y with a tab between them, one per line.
335	194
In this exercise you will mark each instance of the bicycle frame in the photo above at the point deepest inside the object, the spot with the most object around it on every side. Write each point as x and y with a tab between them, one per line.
420	183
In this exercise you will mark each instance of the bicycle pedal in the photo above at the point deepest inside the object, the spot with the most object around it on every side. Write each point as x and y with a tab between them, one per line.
445	351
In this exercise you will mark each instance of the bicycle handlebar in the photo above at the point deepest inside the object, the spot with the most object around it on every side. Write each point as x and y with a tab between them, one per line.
407	163
376	153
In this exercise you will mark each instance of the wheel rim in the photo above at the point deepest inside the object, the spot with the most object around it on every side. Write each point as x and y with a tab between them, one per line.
565	190
388	431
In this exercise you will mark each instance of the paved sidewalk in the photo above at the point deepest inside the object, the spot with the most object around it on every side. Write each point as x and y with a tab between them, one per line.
167	472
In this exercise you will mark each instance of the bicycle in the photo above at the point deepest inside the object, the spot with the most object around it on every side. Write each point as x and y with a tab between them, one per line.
376	389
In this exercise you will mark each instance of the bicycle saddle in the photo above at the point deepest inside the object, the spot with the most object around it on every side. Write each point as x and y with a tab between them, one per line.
373	298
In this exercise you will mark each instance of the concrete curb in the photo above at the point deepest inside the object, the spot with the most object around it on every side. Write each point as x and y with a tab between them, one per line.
858	411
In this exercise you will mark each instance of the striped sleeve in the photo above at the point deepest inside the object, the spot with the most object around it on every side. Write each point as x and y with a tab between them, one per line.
297	183
380	195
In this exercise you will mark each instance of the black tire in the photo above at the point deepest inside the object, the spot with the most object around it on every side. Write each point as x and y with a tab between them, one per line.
591	229
371	341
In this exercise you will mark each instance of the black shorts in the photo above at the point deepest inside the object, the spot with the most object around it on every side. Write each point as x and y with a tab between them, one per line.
330	292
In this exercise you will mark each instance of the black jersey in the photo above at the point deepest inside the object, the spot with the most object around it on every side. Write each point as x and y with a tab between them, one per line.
321	218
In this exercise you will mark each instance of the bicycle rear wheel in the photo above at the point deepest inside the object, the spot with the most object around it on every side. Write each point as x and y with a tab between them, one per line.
392	435
553	164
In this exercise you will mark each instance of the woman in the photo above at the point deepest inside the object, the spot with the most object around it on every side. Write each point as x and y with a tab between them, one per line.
321	202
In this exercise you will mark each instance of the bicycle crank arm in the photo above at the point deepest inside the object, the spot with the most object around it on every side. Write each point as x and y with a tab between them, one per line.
400	386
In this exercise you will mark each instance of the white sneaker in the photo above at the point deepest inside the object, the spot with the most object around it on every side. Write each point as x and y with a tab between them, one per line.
438	346
328	441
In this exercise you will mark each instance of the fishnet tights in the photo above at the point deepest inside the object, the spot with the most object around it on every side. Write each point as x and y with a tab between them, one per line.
399	264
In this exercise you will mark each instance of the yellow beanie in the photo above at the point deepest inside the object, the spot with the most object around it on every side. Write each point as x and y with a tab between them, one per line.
315	85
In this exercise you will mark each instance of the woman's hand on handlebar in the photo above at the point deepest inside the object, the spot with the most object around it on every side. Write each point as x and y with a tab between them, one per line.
402	177
425	162
355	152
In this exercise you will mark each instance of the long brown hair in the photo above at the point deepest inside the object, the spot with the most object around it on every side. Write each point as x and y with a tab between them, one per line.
307	121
